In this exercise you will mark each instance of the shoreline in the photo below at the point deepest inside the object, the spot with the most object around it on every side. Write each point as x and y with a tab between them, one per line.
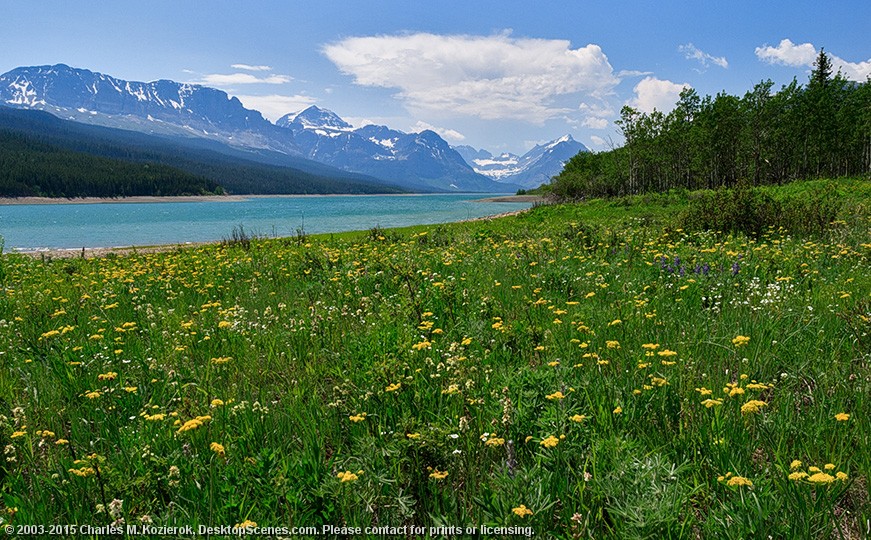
149	199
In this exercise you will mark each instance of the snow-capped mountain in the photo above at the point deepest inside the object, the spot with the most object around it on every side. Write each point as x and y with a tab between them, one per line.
530	170
164	107
418	161
425	158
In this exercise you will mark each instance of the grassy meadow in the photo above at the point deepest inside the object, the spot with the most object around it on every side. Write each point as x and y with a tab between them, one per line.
595	370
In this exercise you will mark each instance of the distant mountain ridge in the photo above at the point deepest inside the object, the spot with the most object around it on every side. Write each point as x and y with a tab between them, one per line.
384	152
418	161
530	170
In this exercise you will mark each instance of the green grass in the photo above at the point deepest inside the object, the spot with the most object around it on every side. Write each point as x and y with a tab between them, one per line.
396	356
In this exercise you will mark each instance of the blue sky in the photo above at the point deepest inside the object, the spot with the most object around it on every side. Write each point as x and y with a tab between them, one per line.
498	75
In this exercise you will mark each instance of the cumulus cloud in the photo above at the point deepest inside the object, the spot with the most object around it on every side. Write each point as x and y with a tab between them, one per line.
230	79
275	106
652	93
691	52
451	135
788	53
249	67
490	77
596	114
596	140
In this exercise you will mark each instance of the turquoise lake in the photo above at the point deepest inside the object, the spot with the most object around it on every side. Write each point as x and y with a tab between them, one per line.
71	226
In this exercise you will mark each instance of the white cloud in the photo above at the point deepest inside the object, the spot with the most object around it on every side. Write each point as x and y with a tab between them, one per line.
652	93
490	77
218	79
596	114
691	52
447	134
249	67
788	54
275	106
803	55
595	123
598	141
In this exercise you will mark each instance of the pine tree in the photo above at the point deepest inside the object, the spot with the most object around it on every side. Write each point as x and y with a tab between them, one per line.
822	73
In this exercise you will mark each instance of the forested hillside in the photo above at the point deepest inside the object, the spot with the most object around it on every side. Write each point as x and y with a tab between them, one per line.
32	168
821	129
235	170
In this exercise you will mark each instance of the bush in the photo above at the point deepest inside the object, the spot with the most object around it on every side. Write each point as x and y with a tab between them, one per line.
752	212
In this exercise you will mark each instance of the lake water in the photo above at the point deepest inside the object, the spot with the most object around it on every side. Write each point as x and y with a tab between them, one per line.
27	227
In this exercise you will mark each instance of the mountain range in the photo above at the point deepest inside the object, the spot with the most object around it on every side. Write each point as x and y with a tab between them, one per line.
314	141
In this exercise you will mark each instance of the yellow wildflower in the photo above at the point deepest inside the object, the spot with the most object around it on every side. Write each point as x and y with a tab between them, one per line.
555	396
618	410
578	418
842	417
357	417
522	511
218	449
821	478
439	475
740	341
753	406
739	481
347	476
549	442
796	464
393	387
494	441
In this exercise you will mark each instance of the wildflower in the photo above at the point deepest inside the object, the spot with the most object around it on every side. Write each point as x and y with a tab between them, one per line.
439	475
393	387
413	436
193	423
618	410
522	511
154	417
494	441
225	324
650	346
796	464
612	344
842	476
708	403
821	478
739	481
550	442
797	475
667	353
555	396
466	341
217	402
221	360
218	449
753	406
61	442
347	476
578	418
245	524
422	345
84	472
740	341
92	395
17	434
842	417
614	322
357	417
